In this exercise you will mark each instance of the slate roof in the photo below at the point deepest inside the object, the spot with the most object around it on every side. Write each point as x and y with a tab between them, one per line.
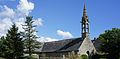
97	44
62	45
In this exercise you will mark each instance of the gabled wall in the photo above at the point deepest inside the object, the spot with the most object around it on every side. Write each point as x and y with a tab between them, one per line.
86	45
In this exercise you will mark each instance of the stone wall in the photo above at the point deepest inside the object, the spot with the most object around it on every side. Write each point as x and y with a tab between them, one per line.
53	54
56	55
87	47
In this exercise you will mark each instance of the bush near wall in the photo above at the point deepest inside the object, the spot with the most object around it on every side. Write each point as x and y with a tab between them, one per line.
84	57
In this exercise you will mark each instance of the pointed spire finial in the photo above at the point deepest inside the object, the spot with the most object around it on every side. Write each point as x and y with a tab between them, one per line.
84	4
84	11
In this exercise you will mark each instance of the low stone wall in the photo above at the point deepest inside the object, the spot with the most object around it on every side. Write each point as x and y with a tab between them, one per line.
51	57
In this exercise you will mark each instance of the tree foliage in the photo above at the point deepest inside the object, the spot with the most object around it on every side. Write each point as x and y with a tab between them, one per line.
29	36
2	46
111	42
12	44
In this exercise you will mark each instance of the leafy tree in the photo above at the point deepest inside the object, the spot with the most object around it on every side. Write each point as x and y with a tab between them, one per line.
30	41
12	45
111	43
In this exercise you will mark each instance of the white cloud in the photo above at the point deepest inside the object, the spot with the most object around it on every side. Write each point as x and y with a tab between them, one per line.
9	15
65	35
7	12
25	6
4	26
19	23
47	39
38	22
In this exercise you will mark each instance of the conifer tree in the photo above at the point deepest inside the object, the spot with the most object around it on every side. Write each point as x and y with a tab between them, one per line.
2	46
30	41
12	44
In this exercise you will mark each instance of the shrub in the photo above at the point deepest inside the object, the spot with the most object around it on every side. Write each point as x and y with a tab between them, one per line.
84	56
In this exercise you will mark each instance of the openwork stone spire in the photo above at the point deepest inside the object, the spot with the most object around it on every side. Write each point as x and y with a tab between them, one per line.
85	23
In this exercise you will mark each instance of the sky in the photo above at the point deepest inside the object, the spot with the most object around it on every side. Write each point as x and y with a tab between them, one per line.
60	19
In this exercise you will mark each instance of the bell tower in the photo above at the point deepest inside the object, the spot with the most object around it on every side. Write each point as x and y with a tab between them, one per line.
85	23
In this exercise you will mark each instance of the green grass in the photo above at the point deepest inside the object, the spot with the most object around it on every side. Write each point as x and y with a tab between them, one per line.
102	58
2	58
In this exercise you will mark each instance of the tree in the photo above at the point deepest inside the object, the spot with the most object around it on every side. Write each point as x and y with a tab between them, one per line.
111	43
12	45
30	41
2	46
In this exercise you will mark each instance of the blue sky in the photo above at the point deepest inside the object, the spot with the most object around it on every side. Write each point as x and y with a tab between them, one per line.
65	16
